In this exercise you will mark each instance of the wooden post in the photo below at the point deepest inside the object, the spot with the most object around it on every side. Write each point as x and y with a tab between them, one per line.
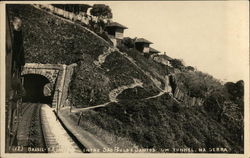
78	123
70	107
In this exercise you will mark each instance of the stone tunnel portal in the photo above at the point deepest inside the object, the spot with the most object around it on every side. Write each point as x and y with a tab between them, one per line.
38	89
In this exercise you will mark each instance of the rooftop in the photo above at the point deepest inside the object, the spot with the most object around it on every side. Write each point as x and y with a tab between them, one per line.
142	40
164	56
153	50
116	24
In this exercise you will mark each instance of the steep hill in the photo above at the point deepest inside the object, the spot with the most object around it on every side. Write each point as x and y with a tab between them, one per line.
100	68
133	89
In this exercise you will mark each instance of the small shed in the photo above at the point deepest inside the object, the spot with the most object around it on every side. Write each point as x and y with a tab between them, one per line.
142	45
115	31
153	51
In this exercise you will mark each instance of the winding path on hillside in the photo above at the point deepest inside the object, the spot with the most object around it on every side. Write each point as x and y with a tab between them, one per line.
101	59
112	95
115	92
154	80
167	89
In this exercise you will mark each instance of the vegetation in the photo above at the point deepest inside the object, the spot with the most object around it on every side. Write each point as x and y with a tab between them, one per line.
91	85
156	70
60	42
197	84
190	68
177	63
227	108
126	44
135	93
236	92
155	124
151	123
101	11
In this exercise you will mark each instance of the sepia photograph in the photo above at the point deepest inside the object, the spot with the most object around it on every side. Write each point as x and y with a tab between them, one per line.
125	77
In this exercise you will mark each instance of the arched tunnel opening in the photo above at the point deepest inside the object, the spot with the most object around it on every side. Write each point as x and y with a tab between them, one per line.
38	89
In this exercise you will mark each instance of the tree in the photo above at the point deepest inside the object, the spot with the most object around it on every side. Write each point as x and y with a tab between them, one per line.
128	42
101	11
236	92
190	68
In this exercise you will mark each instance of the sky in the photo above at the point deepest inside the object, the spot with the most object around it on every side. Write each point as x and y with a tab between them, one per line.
212	36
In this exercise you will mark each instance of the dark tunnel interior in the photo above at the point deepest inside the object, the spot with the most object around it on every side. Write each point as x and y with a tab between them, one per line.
34	89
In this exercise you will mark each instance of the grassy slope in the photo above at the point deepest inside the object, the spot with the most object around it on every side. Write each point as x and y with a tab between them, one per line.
156	70
156	123
102	80
49	39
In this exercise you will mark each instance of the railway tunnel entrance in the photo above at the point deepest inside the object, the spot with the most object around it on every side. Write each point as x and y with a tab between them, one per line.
38	89
47	83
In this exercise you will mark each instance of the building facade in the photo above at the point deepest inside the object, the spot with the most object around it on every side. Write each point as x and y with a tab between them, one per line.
115	32
143	45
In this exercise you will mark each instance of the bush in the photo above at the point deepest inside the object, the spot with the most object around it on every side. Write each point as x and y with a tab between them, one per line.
128	42
151	123
177	63
190	68
197	84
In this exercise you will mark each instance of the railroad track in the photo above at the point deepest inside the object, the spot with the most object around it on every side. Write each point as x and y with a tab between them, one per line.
30	137
40	132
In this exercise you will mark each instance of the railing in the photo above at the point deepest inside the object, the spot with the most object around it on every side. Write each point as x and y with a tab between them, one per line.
82	17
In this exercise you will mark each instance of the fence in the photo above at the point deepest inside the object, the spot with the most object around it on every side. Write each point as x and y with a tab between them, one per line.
187	100
81	17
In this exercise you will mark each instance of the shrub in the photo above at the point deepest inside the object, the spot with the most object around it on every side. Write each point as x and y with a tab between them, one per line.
197	84
177	63
190	68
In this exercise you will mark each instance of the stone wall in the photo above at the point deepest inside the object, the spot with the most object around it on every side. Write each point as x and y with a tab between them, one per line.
67	80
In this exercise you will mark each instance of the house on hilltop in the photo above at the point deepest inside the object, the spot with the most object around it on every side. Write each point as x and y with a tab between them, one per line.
153	51
115	32
163	59
142	45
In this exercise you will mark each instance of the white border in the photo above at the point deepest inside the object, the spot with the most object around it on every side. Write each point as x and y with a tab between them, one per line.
108	155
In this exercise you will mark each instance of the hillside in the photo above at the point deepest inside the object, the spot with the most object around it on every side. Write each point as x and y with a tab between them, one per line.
133	88
157	123
64	42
